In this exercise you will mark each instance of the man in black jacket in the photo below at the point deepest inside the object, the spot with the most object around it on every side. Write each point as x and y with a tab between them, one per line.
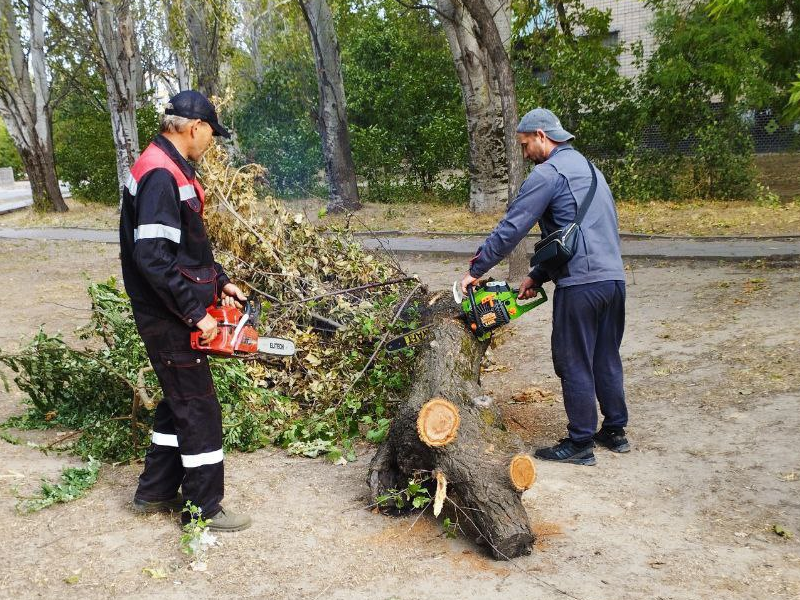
171	277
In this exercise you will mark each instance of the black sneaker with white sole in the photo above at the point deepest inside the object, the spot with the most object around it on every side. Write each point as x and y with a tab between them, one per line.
613	439
567	451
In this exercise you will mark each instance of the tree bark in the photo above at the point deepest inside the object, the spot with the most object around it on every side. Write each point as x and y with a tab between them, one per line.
332	113
490	38
205	29
487	155
114	32
25	102
563	20
476	462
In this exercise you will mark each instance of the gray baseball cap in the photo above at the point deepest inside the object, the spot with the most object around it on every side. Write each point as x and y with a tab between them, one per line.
541	118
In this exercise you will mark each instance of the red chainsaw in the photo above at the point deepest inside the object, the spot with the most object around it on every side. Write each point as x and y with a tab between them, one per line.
238	334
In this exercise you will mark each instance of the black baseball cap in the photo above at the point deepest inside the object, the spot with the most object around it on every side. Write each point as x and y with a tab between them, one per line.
194	105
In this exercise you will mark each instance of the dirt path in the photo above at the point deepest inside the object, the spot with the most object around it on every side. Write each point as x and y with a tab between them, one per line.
713	375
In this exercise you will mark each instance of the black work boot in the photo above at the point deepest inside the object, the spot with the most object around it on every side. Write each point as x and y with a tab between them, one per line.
568	451
613	439
147	507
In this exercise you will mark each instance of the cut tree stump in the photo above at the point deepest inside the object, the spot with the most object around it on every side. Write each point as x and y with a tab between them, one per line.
446	430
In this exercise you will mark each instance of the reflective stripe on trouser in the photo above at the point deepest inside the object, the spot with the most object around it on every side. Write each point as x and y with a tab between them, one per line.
186	448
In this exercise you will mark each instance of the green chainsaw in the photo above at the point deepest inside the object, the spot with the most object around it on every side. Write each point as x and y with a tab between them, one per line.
486	307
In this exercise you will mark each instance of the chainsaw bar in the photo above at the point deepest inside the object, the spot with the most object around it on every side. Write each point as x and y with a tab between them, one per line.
277	346
411	338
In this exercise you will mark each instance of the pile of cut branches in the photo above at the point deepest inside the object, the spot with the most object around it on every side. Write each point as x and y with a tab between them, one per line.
319	288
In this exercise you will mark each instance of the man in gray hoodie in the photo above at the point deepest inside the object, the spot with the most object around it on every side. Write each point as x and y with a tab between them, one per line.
589	299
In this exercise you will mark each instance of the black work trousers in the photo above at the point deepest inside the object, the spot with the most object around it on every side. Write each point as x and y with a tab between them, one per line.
186	449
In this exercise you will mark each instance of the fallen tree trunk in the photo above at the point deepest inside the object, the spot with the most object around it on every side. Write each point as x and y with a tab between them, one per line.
448	428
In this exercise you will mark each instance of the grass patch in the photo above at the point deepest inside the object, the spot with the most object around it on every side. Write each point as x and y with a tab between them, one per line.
81	214
699	218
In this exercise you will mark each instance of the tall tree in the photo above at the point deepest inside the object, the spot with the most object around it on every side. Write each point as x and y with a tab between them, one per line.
332	112
487	155
25	99
489	36
208	24
113	28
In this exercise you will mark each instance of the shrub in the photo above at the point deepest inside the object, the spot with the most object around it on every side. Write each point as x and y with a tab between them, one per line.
84	147
9	157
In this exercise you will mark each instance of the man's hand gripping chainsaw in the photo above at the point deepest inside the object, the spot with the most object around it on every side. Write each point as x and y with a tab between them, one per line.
238	334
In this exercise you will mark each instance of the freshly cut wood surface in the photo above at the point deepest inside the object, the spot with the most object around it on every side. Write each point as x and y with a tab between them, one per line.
438	421
522	472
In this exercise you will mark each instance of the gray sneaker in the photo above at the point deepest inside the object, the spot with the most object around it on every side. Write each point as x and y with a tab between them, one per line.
228	521
148	507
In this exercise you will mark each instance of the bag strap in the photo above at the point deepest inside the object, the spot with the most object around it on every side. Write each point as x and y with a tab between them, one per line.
587	200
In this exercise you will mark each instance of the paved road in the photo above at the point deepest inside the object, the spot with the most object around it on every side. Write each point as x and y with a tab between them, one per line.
632	246
19	196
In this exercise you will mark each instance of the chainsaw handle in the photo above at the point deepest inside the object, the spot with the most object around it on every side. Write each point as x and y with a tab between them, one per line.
541	295
472	304
252	307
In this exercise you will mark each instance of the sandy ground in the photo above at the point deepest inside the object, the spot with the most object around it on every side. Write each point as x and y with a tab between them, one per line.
712	358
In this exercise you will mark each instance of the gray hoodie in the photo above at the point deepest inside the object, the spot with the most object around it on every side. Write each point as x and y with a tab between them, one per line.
548	196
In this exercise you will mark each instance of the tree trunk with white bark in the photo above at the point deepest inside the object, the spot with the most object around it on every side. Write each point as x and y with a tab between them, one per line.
489	36
114	33
25	101
487	155
332	112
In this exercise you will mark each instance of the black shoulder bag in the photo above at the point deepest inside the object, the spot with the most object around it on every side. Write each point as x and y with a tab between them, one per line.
556	250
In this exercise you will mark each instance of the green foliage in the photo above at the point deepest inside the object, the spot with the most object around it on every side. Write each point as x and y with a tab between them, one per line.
404	104
792	111
723	163
276	103
75	482
407	124
643	175
282	140
88	390
450	528
577	77
720	167
196	538
9	157
703	70
84	145
91	391
414	496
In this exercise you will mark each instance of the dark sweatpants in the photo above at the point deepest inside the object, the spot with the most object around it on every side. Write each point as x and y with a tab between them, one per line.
588	322
186	448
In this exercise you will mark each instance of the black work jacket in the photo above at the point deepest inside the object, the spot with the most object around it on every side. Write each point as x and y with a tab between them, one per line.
167	263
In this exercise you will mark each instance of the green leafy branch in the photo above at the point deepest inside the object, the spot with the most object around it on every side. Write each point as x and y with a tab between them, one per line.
75	482
414	495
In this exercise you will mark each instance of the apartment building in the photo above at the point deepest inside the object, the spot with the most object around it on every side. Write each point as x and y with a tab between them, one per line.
629	23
